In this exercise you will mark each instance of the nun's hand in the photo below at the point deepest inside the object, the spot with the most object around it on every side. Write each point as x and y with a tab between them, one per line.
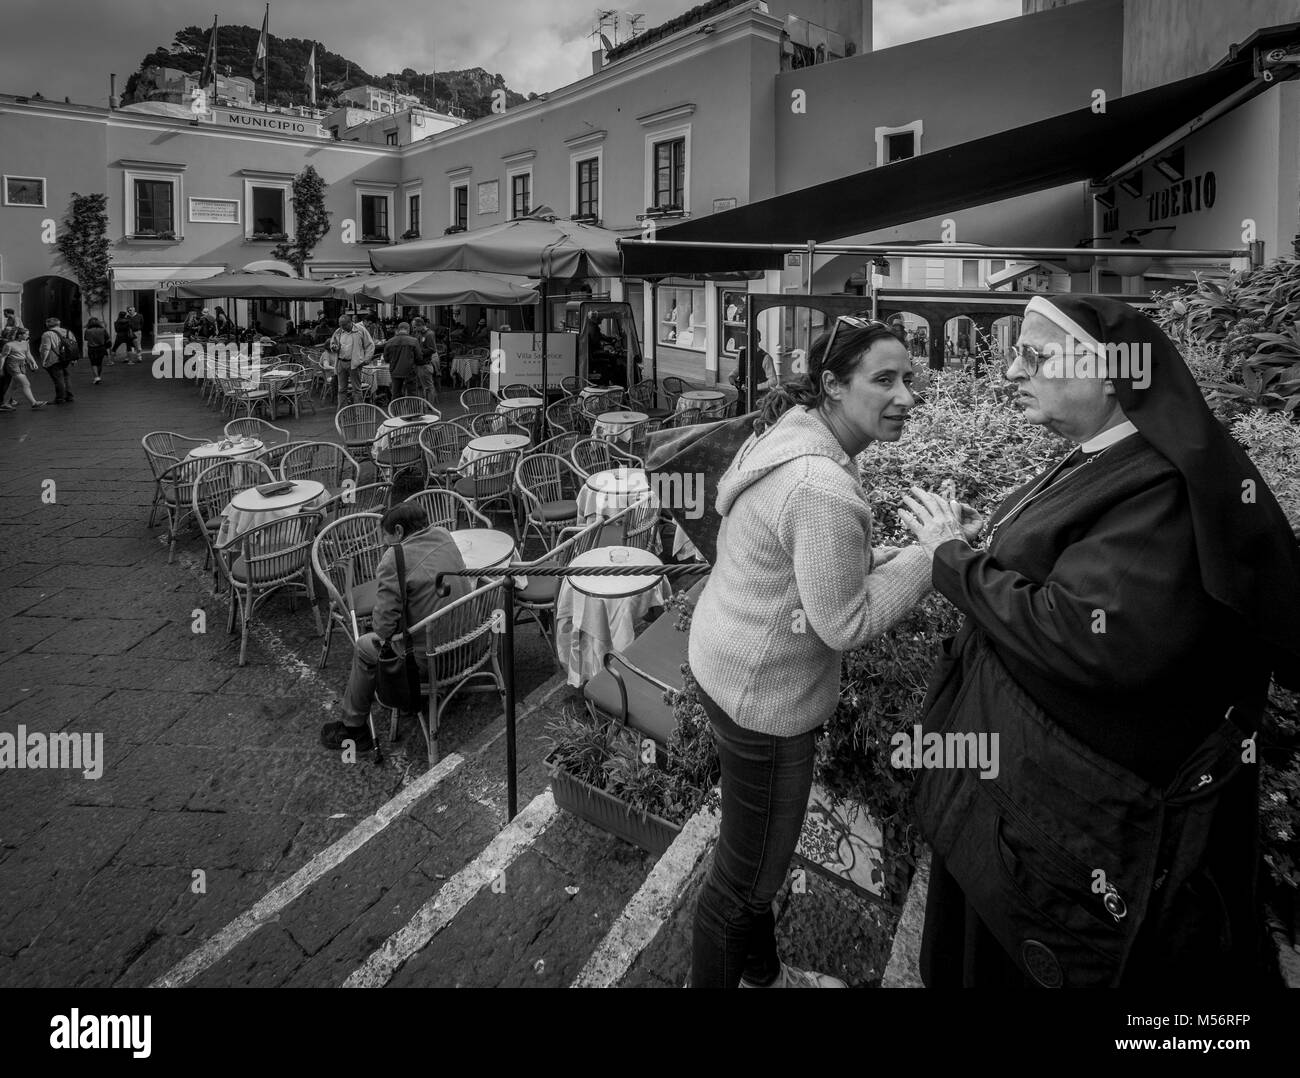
970	522
933	520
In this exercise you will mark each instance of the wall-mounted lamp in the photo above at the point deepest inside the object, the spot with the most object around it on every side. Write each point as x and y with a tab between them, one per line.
1172	166
1105	197
1081	263
1132	184
1135	265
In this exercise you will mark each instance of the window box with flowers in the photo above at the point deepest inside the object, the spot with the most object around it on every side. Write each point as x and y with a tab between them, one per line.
410	234
269	237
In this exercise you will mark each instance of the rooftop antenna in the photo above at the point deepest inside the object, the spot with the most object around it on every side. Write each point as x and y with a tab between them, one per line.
605	20
636	23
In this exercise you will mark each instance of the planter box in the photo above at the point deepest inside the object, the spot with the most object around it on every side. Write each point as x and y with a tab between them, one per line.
652	833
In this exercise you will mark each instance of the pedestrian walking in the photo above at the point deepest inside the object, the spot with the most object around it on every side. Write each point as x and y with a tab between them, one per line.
58	352
121	335
136	320
427	366
16	359
96	347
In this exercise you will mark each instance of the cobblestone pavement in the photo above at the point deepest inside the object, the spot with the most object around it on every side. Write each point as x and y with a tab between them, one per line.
214	791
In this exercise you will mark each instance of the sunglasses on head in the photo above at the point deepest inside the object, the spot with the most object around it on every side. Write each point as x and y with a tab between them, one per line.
854	321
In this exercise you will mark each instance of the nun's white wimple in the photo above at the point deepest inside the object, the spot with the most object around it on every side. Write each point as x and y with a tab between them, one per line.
1054	314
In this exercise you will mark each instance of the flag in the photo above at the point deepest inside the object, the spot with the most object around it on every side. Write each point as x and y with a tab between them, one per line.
311	74
261	43
209	73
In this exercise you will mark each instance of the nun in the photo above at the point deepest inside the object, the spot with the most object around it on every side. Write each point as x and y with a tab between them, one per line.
1122	622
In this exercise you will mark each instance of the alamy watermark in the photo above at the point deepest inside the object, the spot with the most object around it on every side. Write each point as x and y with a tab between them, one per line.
942	751
40	751
206	359
1131	362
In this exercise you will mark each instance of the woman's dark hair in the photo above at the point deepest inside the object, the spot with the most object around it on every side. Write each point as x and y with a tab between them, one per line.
850	345
410	516
94	323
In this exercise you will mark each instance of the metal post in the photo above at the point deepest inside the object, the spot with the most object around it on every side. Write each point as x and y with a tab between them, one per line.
812	246
546	397
508	676
652	337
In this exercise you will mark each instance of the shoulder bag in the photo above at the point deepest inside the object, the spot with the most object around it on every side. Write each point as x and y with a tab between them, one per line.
398	682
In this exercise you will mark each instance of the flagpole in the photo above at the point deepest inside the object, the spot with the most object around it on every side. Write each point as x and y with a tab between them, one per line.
266	61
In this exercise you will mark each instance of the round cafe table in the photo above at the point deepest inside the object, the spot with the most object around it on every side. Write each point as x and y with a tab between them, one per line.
487	548
388	426
609	492
248	509
597	615
699	398
226	449
375	375
465	367
494	443
509	404
614	426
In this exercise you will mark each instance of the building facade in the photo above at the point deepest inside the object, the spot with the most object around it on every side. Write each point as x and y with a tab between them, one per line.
701	118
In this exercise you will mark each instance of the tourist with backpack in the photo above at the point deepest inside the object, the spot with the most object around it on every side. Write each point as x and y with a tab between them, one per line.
121	335
96	347
59	351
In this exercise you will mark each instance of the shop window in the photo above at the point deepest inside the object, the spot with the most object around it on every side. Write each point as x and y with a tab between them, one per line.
413	215
735	308
681	317
460	206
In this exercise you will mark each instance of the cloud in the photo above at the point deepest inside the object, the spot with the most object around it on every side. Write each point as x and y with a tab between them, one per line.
909	20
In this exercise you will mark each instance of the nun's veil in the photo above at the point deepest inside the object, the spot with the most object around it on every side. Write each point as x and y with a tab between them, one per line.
1249	557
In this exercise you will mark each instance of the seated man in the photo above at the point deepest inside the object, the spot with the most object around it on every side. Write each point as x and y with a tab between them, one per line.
427	552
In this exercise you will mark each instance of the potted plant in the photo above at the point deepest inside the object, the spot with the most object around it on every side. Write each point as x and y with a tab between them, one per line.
609	776
411	234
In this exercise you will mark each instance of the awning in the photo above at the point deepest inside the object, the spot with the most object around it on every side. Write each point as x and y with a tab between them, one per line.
159	278
255	286
1075	146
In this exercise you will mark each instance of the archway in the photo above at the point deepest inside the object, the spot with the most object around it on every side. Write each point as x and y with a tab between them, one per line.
51	297
959	341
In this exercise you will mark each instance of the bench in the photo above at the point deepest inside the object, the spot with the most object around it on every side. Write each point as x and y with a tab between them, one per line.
630	689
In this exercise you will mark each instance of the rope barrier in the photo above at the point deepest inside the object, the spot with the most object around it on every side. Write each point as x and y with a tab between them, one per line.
524	569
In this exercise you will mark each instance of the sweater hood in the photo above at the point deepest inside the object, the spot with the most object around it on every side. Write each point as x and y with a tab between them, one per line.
797	435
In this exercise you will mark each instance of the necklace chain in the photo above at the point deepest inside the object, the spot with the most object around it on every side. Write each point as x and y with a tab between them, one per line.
1043	485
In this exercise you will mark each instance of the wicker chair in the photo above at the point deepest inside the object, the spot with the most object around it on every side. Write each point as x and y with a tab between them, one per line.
325	462
567	416
212	491
644	397
570	385
561	445
525	421
260	429
399	449
358	425
489	480
478	401
445	508
265	559
370	498
689	417
597	455
273	456
673	388
162	449
177	484
345	557
296	391
443	444
517	389
237	396
461	644
409	406
548	486
484	423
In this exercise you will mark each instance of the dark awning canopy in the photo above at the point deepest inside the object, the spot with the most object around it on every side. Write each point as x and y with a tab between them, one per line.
1079	145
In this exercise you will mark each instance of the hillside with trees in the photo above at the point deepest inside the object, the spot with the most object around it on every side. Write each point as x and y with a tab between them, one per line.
468	90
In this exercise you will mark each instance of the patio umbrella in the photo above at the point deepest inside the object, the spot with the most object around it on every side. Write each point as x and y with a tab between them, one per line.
254	286
450	286
538	245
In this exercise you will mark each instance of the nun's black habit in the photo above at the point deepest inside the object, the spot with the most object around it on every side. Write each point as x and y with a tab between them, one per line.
1119	636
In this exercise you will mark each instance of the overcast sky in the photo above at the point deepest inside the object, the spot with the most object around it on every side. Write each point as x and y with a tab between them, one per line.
68	47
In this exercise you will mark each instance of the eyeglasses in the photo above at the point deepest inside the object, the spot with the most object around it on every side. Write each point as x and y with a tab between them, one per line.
1030	357
856	322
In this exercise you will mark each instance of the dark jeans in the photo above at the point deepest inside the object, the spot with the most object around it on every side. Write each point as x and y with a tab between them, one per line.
399	386
765	785
59	376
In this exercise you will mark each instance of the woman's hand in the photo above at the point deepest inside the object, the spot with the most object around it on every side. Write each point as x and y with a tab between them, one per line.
970	522
932	519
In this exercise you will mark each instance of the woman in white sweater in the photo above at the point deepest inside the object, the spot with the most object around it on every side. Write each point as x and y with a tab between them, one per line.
796	583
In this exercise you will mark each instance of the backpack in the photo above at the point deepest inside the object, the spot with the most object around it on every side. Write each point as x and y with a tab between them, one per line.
69	351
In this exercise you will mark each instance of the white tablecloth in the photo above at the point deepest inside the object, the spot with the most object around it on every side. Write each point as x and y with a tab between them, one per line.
509	404
389	425
494	443
237	450
614	426
587	628
487	548
375	376
248	509
607	493
466	367
699	398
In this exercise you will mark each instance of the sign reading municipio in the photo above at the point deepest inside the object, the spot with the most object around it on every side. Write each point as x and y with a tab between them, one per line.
269	123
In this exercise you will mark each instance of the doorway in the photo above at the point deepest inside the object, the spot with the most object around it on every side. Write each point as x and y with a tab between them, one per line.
51	297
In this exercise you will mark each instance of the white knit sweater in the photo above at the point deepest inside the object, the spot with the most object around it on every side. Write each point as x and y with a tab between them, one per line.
794	584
